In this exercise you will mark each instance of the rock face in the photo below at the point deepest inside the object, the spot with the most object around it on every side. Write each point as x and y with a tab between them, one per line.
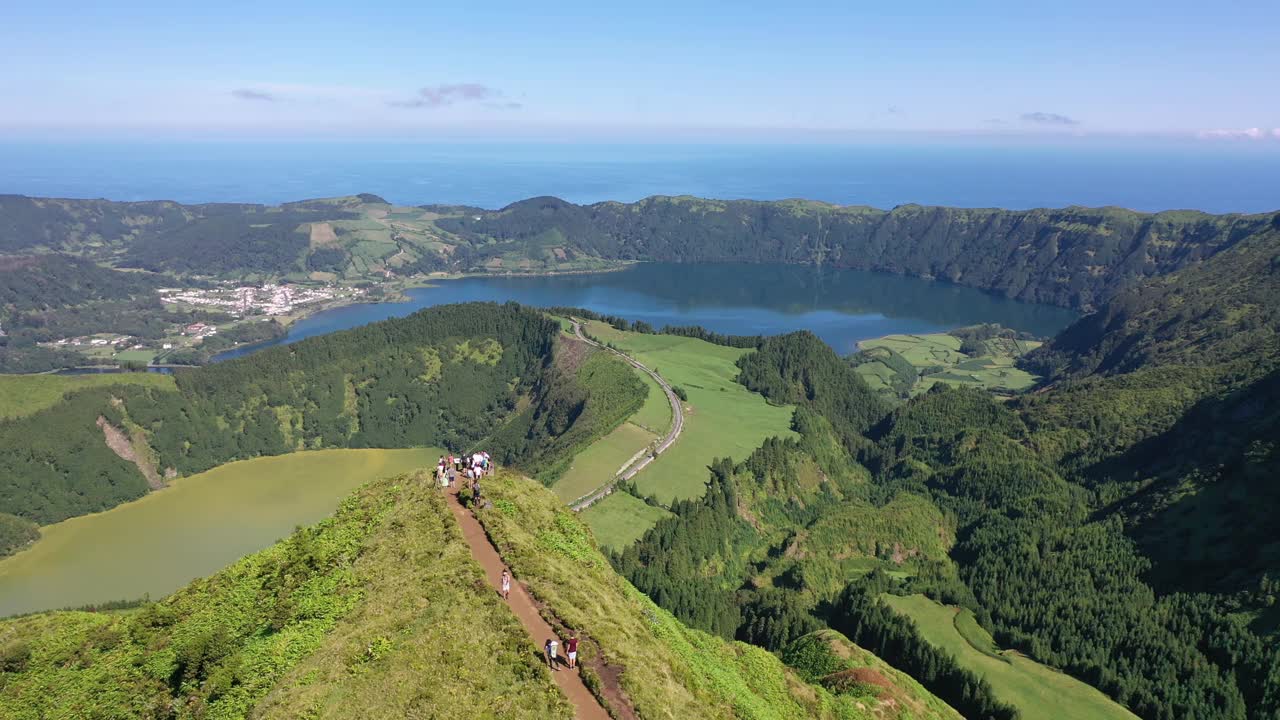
123	446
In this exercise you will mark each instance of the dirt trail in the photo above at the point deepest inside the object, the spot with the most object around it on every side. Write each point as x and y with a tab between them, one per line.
585	705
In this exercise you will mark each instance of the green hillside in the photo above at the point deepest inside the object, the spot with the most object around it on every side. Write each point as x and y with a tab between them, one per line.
668	670
381	612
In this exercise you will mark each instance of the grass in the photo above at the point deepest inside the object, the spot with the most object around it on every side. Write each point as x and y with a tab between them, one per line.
922	350
137	356
620	519
597	464
655	414
22	395
937	356
377	612
668	670
722	418
1040	692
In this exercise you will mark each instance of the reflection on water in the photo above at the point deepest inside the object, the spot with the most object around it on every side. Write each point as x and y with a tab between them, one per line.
840	306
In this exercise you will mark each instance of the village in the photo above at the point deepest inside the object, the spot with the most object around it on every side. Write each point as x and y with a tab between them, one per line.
268	299
243	305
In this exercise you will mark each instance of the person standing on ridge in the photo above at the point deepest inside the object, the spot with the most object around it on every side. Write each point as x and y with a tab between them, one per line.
571	649
506	583
553	649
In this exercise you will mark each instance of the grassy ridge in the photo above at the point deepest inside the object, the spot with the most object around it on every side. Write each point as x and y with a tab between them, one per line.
829	658
1041	693
359	616
668	670
23	395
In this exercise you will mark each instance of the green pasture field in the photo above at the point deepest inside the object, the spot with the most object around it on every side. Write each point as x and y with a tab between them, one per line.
620	519
22	395
1040	692
141	356
940	354
655	414
722	418
922	350
600	461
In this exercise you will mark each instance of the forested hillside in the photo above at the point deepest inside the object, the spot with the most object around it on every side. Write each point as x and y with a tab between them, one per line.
1117	525
1074	256
449	377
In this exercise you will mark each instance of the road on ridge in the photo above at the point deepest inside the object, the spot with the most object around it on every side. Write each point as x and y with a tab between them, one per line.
677	425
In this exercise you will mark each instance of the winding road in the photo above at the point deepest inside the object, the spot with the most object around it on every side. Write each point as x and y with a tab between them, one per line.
641	462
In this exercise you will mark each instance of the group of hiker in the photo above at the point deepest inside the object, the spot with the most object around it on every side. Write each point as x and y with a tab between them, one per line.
472	466
552	649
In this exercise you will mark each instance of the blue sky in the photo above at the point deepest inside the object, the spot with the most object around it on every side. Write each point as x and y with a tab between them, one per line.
662	70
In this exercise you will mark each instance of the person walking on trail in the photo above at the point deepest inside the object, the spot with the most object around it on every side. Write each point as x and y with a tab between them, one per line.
571	649
553	653
506	583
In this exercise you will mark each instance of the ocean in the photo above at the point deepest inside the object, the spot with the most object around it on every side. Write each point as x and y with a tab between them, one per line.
1146	175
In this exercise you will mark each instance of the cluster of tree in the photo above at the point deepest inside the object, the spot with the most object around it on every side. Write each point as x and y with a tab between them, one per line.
262	242
862	617
974	338
28	223
671	564
143	317
1223	311
234	336
1050	256
800	369
579	401
328	259
1058	583
52	281
640	326
16	533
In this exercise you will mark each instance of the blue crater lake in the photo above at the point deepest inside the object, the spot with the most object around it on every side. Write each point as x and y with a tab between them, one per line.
840	306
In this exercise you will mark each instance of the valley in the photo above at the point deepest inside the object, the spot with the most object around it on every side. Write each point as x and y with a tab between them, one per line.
979	510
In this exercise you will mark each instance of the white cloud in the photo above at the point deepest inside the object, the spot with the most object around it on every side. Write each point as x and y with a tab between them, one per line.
1239	134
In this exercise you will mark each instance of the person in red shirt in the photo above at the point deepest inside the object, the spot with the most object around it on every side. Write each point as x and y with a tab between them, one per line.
571	649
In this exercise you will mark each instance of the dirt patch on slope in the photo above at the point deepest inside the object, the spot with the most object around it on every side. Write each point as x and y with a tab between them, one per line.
570	353
322	235
122	446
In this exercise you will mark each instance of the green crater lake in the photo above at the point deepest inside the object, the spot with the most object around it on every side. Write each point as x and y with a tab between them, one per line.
190	529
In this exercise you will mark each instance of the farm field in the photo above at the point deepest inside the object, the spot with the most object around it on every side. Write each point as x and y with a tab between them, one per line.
937	358
722	418
200	523
597	464
620	519
1040	692
22	395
